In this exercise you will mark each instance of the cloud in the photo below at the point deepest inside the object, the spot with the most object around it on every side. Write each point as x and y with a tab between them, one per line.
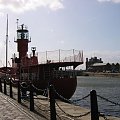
1	14
62	42
25	5
114	1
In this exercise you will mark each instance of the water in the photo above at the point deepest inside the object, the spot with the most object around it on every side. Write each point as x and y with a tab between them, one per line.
107	87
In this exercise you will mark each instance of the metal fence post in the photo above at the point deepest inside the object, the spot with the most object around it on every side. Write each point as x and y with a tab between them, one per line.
5	91
31	98
52	103
19	93
11	95
0	85
94	106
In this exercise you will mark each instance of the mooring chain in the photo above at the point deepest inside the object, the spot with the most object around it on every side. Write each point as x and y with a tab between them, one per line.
14	82
62	97
45	92
42	109
71	101
74	101
108	100
103	116
39	98
85	114
37	88
24	87
7	81
58	116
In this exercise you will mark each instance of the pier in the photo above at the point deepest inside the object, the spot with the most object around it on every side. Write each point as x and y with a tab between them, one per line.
13	108
10	109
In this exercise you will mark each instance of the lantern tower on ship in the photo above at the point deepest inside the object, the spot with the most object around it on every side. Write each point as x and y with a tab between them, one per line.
22	47
22	41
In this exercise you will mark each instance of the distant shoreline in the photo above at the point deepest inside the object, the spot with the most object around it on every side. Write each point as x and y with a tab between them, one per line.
101	74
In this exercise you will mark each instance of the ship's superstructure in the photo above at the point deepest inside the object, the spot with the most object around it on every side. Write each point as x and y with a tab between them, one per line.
50	67
22	48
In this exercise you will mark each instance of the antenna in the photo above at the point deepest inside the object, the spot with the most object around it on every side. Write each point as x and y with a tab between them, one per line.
7	43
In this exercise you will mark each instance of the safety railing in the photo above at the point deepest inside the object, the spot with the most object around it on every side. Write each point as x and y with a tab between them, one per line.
60	56
26	91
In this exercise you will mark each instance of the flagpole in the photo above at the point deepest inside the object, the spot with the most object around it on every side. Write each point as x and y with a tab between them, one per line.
7	44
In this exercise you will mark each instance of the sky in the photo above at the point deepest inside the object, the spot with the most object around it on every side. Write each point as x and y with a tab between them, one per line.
89	25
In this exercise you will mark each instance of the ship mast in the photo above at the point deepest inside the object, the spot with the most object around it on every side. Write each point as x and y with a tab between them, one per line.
17	23
7	44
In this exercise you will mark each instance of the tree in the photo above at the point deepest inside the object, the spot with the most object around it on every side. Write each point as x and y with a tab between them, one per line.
108	67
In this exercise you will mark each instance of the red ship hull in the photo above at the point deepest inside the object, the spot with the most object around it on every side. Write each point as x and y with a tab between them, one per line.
64	87
64	82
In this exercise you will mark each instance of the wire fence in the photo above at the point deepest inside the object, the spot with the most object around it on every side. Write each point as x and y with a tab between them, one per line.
60	56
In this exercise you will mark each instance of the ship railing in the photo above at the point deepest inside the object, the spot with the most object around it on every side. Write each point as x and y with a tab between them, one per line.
64	73
60	74
57	56
60	56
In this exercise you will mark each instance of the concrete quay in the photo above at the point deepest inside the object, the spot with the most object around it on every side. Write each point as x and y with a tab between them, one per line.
66	111
10	109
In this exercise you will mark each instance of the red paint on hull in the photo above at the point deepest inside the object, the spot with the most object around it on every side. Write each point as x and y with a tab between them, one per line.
65	87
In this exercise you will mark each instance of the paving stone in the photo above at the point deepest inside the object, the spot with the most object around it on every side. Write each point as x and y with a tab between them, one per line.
13	111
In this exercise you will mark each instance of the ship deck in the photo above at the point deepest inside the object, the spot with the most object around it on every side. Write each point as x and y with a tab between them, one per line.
62	64
55	65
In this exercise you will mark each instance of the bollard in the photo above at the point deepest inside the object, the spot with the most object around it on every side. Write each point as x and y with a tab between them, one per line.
0	85
52	103
94	106
11	95
31	98
19	93
5	91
